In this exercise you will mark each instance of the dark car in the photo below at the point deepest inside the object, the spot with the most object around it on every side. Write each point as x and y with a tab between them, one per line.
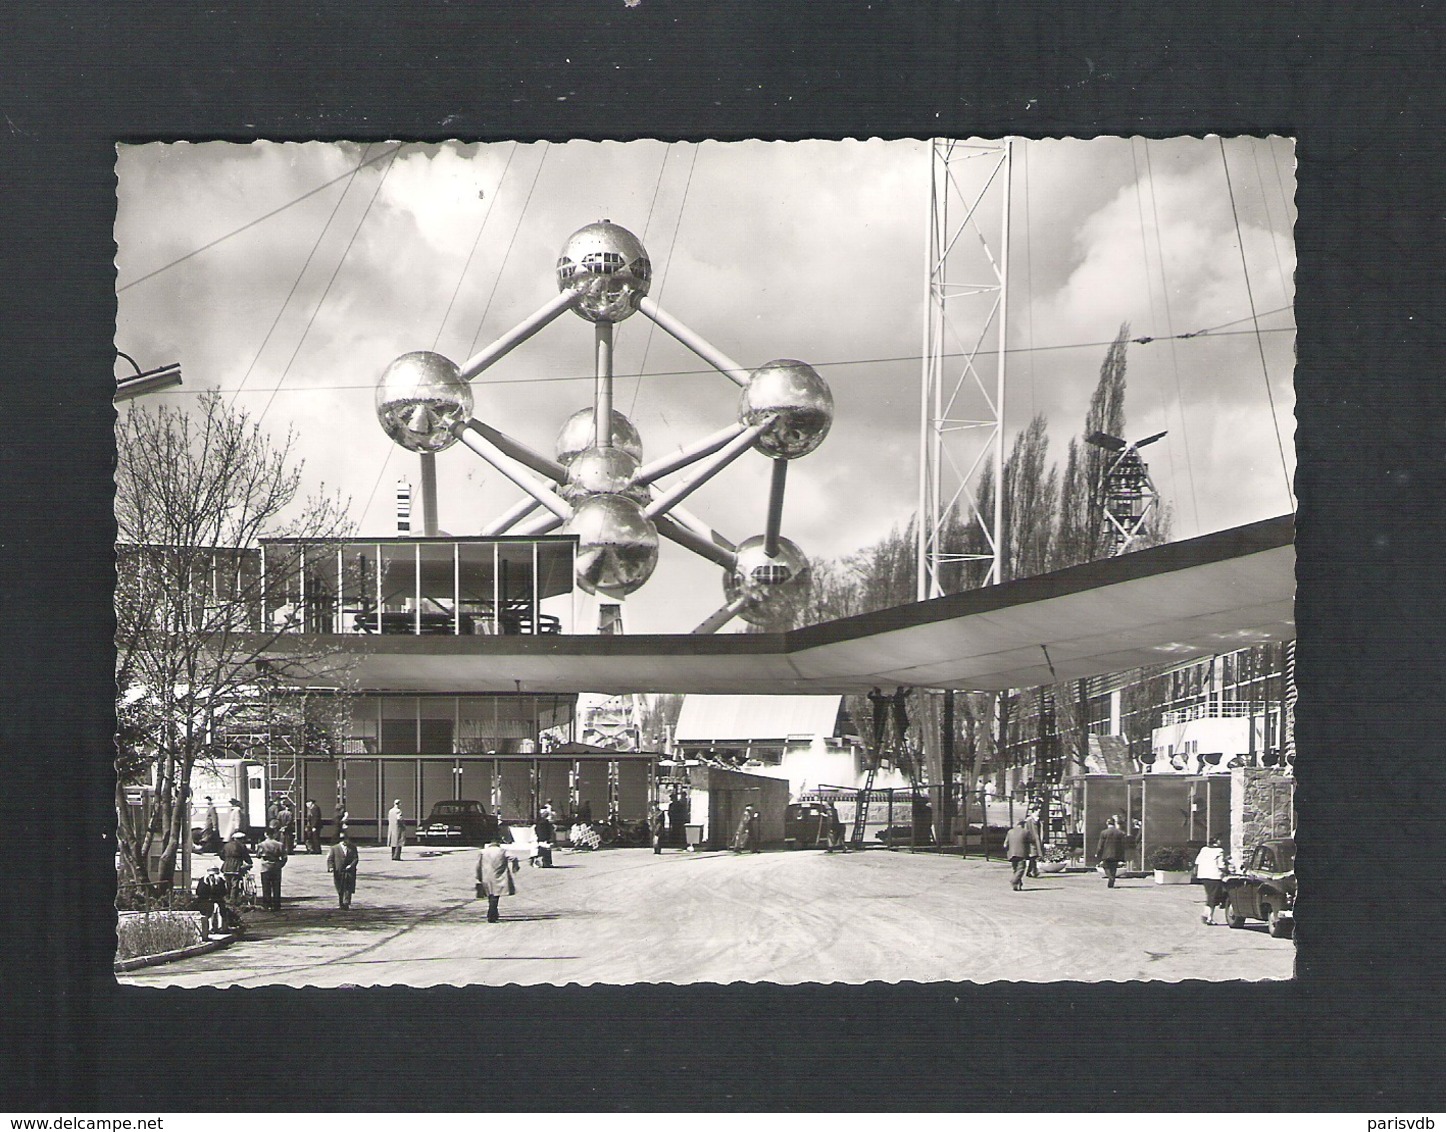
1265	888
807	825
464	822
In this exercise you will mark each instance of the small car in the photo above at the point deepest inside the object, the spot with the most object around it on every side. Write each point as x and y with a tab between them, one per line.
1265	888
807	825
464	822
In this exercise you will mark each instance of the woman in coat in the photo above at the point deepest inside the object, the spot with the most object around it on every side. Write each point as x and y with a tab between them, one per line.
494	876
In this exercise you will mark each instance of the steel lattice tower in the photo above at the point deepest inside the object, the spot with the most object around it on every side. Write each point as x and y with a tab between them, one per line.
965	324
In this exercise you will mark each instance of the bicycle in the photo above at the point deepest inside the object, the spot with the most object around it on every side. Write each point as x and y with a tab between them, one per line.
242	891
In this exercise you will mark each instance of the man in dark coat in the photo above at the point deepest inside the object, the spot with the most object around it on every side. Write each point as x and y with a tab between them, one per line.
286	825
211	901
1112	849
341	862
235	860
1018	844
272	853
311	826
657	824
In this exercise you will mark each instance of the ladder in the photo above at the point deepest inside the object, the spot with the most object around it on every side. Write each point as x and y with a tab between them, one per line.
861	809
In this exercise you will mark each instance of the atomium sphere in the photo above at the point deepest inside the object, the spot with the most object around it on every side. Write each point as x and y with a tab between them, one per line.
608	267
800	398
576	436
603	471
774	589
617	545
420	397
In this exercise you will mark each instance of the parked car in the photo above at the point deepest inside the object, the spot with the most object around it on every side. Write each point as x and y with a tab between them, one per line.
806	825
464	822
1265	888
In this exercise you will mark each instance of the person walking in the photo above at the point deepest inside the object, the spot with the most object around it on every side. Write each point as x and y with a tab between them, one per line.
234	823
396	829
1210	869
311	826
1112	849
494	876
272	852
1035	842
657	823
1019	848
341	862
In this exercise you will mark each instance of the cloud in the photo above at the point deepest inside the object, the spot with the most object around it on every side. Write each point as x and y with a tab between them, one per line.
810	250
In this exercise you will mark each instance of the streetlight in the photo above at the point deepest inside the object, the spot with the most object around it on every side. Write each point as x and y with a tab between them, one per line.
149	381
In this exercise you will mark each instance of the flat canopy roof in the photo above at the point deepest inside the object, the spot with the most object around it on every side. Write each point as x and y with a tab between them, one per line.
1168	604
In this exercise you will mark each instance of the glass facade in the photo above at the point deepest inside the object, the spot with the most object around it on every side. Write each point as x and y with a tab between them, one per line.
418	586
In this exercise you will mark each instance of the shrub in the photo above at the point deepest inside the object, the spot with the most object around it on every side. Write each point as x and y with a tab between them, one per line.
153	933
1055	853
1172	859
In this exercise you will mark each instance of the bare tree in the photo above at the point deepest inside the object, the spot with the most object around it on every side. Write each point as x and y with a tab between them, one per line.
195	492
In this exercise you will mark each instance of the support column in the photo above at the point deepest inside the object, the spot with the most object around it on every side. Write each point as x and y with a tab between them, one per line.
602	417
429	494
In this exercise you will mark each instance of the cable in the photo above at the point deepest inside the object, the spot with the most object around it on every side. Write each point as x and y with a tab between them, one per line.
1269	220
508	253
258	220
663	279
462	276
898	359
1259	344
647	226
1149	290
325	228
327	289
1174	358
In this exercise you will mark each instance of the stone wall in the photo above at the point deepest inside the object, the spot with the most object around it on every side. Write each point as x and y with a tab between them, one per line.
1262	805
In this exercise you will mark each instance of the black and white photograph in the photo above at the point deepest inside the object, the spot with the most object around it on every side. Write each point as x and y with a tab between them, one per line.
727	562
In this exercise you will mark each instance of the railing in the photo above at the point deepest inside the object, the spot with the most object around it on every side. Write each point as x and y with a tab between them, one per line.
1229	709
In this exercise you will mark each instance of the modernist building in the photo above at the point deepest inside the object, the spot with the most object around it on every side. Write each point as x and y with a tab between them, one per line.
358	599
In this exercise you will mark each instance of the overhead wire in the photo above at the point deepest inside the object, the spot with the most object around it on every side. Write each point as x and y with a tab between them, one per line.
265	216
316	310
1269	219
913	359
663	278
1259	342
295	283
1174	357
547	149
1149	288
476	242
647	226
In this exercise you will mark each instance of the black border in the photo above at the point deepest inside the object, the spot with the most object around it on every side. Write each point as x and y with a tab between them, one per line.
1354	83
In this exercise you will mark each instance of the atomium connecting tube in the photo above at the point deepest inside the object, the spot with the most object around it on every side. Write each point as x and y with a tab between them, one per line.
695	342
508	467
519	334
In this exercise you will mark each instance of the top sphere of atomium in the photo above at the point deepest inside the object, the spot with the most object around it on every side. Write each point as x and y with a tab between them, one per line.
420	397
773	589
607	266
576	436
801	400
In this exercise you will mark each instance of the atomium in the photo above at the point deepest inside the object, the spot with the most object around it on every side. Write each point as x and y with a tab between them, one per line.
800	402
768	590
607	268
420	398
617	545
598	487
603	471
577	436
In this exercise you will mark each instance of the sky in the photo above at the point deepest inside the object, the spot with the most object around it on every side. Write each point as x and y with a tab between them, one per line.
288	276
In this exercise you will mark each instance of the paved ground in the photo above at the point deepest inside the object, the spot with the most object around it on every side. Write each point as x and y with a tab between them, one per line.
627	916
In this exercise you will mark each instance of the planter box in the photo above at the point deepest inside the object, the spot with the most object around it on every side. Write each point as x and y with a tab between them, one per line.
1053	866
1164	876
